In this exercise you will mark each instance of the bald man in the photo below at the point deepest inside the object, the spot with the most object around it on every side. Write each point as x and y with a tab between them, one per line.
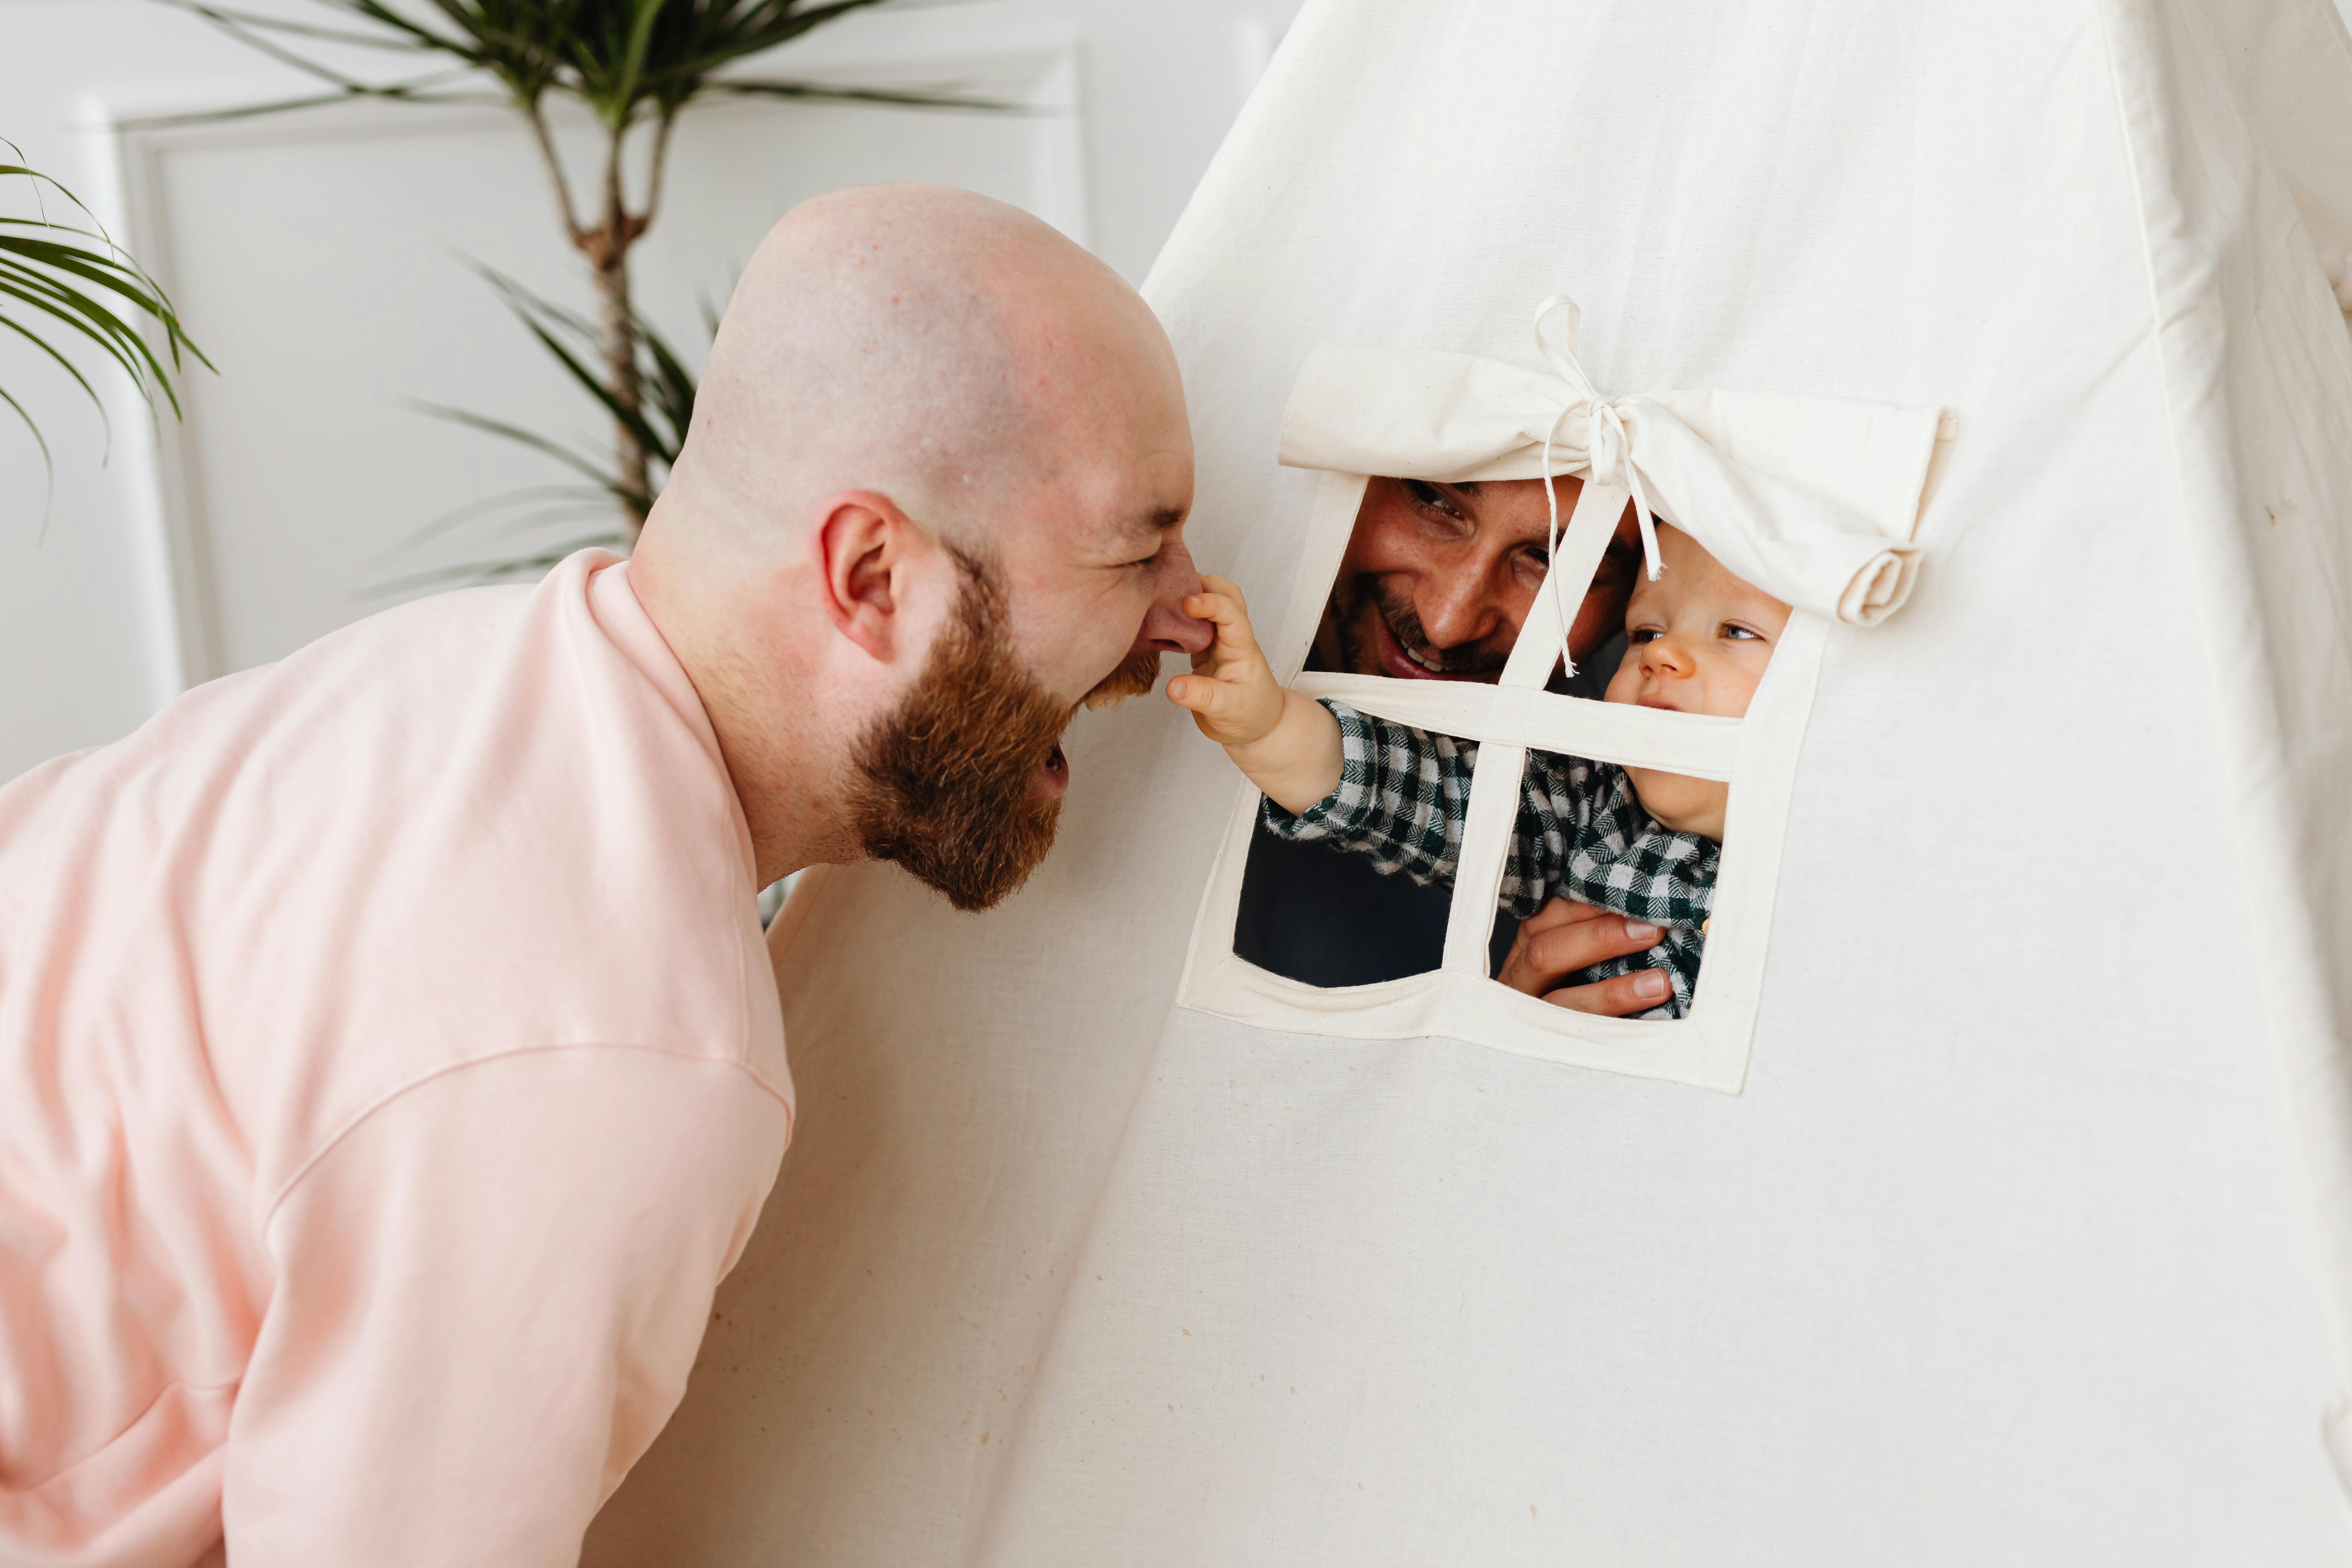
389	1067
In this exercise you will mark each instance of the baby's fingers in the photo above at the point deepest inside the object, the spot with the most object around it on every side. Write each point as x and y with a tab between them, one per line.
1227	712
1208	698
1221	603
1233	654
1227	587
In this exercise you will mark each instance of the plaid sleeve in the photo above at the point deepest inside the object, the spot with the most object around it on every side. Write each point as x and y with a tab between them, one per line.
1581	834
1616	856
1402	797
1602	849
1403	793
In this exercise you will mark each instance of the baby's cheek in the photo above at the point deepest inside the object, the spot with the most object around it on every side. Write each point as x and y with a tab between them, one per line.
1730	693
1679	802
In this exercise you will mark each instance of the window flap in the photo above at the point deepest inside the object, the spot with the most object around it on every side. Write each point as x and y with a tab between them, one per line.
1812	499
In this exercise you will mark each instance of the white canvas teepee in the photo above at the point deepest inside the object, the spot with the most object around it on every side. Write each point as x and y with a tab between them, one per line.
2022	1231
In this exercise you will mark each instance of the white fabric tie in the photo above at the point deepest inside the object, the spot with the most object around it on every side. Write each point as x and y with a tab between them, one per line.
1608	454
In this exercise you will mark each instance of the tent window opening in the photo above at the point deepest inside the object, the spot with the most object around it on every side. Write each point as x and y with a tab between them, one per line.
1572	644
1486	780
1436	588
1361	891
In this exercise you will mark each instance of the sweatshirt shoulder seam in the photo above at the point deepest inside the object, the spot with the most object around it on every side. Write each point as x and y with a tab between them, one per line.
358	1119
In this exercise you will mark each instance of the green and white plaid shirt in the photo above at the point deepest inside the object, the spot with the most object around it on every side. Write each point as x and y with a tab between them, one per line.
1581	835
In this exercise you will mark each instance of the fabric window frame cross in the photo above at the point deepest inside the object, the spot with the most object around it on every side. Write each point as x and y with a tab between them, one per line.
1757	755
1813	498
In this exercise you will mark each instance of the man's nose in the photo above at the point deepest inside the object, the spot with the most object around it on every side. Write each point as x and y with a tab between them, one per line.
1456	610
1166	626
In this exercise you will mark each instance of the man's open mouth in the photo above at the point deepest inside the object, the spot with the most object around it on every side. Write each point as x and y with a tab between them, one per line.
1406	664
1056	774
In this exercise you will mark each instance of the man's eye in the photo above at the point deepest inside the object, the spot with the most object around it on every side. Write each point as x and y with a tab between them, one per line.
1432	497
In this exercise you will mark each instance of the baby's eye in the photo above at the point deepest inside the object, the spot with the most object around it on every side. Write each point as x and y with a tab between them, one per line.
1640	635
1732	632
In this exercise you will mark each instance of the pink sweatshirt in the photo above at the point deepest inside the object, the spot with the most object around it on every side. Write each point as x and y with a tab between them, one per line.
390	1068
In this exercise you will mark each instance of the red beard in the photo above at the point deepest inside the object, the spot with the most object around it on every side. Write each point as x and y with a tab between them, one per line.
947	784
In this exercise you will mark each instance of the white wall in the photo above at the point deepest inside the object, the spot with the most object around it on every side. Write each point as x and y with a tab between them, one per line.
317	258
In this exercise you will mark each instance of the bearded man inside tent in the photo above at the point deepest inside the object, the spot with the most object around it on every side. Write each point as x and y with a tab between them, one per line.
1435	584
390	1061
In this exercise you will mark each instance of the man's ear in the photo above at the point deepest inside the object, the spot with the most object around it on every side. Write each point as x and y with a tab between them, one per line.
864	548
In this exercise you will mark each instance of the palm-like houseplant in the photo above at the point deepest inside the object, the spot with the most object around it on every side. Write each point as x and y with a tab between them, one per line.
636	66
62	281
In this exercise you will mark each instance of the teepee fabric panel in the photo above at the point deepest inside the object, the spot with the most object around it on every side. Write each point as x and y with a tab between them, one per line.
2023	1237
2265	489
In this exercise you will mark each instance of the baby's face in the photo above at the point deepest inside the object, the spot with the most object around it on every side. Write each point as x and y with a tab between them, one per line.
1697	640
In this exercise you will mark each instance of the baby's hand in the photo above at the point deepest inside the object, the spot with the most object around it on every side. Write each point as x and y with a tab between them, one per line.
1232	693
1287	744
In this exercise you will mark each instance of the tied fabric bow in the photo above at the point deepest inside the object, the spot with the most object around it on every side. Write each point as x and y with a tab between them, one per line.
1812	499
1606	448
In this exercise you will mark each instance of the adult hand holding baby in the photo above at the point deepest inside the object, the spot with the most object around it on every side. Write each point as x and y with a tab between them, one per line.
1564	937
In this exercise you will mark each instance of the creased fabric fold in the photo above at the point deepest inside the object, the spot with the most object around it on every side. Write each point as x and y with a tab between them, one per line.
1812	499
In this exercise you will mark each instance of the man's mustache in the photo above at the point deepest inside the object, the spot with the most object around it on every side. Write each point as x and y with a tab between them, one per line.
1136	674
1404	624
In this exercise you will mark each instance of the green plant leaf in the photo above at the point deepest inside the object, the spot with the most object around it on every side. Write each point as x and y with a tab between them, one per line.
63	275
490	506
49	465
259	23
633	63
623	59
534	313
92	321
896	98
33	338
511	432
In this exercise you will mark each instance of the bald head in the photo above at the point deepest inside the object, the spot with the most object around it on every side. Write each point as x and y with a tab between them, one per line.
947	350
917	389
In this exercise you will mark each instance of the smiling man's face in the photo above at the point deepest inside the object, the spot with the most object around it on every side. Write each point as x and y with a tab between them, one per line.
1438	579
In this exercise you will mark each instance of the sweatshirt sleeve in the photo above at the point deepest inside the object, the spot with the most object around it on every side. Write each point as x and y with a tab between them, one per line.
489	1294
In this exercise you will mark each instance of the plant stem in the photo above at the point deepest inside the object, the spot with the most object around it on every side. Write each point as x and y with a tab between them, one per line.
607	247
537	116
609	255
654	176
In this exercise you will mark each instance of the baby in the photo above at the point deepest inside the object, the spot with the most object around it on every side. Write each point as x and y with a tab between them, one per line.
1636	840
